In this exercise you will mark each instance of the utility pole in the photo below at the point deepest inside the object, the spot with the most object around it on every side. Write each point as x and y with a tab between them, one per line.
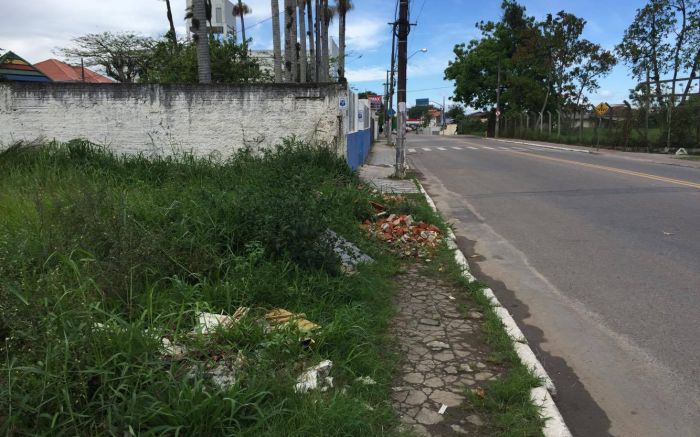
401	92
391	77
387	121
498	100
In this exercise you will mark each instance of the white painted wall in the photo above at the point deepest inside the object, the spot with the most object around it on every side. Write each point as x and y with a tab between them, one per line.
203	119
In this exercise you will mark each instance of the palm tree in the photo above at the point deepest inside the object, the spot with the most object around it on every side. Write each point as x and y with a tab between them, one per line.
277	50
301	5
199	13
310	32
240	10
328	13
319	37
343	6
290	40
172	33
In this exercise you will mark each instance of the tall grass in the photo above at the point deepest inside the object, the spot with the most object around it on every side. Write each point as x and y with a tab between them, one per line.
102	255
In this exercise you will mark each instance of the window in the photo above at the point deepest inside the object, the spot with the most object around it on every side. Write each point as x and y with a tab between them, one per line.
219	16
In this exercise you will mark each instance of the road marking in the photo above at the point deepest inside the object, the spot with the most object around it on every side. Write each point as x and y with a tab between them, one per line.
441	148
472	147
411	150
457	148
427	149
490	148
519	149
616	170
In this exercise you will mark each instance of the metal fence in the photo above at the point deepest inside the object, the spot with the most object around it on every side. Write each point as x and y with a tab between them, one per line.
622	127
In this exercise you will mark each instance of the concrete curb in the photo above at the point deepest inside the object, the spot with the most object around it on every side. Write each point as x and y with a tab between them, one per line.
524	143
540	396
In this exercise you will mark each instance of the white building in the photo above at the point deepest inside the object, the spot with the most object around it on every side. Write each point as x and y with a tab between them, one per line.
223	21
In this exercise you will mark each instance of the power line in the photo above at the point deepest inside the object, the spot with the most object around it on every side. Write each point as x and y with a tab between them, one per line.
420	11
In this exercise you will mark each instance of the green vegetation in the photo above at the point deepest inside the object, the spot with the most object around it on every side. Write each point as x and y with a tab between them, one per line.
102	256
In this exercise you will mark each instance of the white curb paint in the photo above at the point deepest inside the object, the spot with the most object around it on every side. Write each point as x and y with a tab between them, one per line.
554	425
540	396
568	149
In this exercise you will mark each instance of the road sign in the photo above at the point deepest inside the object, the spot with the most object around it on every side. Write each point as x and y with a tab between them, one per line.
392	113
498	113
422	102
360	114
342	102
602	109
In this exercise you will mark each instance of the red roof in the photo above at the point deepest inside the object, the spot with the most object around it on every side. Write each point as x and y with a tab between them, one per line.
61	72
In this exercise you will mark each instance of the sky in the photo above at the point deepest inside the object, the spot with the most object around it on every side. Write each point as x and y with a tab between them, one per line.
33	29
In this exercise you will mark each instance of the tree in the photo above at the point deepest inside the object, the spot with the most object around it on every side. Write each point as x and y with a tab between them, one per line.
124	56
310	32
230	63
664	38
342	6
475	69
240	9
200	14
276	44
328	12
301	6
456	113
172	34
290	41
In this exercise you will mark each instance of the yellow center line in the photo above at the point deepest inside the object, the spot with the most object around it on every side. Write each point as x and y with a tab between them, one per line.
614	170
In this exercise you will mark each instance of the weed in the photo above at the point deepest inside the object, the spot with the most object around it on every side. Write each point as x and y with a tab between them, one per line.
102	255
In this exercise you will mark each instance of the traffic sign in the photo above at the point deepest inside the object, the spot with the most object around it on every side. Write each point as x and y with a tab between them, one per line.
498	113
392	113
360	113
342	102
602	109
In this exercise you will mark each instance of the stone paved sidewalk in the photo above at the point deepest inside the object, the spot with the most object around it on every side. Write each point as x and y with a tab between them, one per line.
379	168
442	356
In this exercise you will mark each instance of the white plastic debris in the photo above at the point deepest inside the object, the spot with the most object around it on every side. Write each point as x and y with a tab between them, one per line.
366	380
208	323
442	410
315	378
222	376
350	255
175	351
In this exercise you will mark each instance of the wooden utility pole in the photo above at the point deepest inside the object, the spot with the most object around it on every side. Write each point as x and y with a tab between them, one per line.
391	79
401	91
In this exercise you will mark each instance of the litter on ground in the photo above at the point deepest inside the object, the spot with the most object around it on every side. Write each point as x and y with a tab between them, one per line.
408	237
282	317
315	378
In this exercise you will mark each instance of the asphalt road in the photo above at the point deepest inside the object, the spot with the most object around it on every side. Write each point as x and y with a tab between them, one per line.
597	257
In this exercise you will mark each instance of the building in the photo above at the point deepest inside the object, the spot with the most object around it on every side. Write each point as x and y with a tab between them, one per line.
223	22
59	71
14	68
266	60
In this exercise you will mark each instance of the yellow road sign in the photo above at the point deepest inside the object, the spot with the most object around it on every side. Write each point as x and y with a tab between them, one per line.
602	108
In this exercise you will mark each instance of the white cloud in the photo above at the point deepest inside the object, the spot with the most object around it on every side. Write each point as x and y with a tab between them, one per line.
366	33
366	74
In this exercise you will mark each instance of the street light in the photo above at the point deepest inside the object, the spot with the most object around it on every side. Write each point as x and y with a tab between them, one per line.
416	52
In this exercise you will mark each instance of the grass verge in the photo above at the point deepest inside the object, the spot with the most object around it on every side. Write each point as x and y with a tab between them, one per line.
102	256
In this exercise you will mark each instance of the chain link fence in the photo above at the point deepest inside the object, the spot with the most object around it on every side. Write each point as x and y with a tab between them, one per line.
621	127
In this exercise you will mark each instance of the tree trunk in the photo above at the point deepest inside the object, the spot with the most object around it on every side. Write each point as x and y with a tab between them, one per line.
341	47
295	40
319	37
277	50
173	34
310	32
240	10
301	4
288	48
325	58
199	24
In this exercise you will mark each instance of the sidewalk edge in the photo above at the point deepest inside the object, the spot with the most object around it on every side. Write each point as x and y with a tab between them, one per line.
540	396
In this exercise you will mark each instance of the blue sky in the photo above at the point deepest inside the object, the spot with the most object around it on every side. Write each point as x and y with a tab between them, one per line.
444	23
34	28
